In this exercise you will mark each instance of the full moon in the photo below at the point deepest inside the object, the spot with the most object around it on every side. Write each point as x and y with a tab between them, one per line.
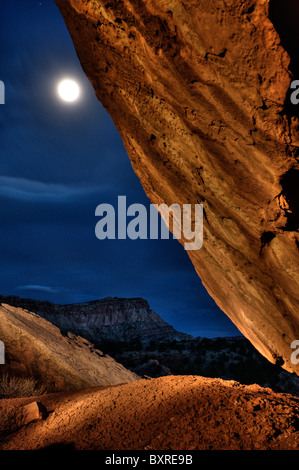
68	90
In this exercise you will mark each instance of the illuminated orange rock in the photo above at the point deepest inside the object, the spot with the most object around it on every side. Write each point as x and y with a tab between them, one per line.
36	348
198	91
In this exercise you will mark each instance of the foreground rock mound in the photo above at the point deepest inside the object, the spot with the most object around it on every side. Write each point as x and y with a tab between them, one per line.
197	90
36	348
180	413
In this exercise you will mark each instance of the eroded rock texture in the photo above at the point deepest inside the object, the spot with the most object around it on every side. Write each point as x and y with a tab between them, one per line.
36	348
198	91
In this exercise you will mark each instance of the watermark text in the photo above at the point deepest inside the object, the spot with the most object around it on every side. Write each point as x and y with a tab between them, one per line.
2	353
2	92
186	222
295	354
295	94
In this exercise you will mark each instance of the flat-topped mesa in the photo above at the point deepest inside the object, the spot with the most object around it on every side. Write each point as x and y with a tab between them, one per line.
198	92
105	320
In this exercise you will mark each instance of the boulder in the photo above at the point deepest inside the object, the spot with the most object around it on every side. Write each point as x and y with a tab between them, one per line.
34	411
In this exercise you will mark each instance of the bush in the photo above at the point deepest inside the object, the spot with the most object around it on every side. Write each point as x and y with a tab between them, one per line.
16	387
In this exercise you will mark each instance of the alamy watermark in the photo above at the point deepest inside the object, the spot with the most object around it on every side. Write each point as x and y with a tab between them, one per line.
2	353
186	222
295	354
2	92
295	94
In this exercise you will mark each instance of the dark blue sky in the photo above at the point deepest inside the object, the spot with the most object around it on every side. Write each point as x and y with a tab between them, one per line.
57	163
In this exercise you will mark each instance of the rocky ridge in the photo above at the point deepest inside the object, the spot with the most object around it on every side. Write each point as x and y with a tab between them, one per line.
105	320
36	348
139	339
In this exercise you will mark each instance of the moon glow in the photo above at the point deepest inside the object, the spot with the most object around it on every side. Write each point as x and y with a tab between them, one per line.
68	90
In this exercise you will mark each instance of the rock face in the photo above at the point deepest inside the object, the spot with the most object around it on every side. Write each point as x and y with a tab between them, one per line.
198	91
34	347
106	320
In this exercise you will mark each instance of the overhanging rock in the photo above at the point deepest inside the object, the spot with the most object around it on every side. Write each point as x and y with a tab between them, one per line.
198	91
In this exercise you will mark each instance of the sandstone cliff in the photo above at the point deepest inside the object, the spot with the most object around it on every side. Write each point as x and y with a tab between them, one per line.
105	320
34	347
198	91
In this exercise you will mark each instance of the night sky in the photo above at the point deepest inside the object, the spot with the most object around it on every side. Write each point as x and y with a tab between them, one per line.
58	162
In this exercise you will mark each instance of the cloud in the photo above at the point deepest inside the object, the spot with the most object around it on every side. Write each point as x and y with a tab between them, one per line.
49	289
36	191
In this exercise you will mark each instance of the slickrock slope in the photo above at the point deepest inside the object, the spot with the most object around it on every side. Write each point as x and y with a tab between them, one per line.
34	347
198	91
180	413
105	320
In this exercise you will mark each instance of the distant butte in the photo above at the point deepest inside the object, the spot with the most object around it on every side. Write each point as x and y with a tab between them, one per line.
210	81
106	320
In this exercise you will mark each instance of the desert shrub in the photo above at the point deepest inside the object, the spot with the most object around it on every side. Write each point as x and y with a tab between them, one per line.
152	346
17	387
135	345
